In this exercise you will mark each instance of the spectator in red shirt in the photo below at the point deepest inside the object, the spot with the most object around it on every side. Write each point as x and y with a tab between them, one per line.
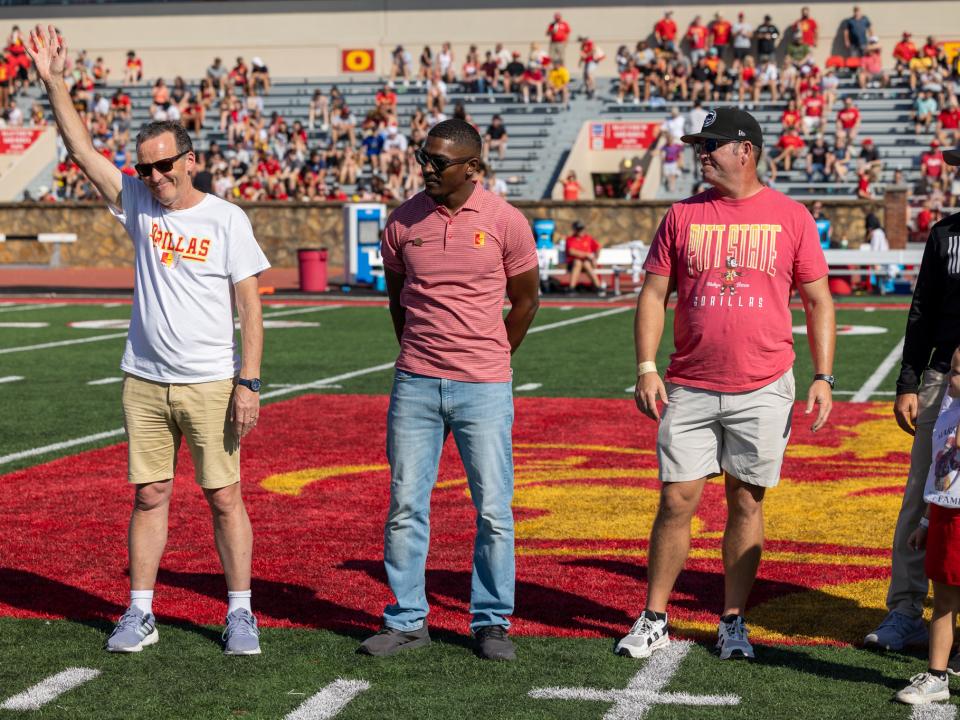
931	168
386	99
805	29
697	34
666	33
720	30
571	188
791	116
790	146
848	121
812	112
903	52
629	82
582	251
133	72
948	124
930	48
559	32
240	75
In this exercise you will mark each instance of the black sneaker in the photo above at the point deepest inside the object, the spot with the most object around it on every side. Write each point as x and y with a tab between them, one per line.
390	641
493	643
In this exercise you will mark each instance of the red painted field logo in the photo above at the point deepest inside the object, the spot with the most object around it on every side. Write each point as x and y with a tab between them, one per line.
316	483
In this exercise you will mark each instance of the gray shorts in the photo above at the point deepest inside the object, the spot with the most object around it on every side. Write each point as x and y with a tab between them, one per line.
704	432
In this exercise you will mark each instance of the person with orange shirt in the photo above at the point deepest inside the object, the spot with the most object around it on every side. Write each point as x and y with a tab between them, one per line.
903	52
571	187
720	32
582	251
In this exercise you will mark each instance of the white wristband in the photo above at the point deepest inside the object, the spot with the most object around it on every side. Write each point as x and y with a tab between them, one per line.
646	367
924	522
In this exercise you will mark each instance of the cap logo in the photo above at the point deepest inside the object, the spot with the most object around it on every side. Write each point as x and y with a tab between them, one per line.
741	133
710	119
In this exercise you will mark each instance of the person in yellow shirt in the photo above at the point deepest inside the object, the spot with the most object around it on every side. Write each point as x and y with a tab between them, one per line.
558	84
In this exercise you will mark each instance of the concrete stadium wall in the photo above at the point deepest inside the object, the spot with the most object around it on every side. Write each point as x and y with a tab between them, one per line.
282	228
300	39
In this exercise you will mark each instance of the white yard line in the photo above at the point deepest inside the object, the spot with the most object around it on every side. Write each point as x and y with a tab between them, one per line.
50	689
324	382
300	311
574	321
36	306
105	381
61	343
933	712
526	387
11	378
24	324
873	382
330	701
875	392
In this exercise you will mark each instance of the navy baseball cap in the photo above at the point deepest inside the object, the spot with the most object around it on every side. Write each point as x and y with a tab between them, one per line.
729	124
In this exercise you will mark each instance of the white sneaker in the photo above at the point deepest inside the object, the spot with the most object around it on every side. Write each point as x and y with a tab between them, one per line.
647	635
924	688
732	640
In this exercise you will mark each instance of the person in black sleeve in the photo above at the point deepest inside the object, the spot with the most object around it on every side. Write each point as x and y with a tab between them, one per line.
767	36
933	334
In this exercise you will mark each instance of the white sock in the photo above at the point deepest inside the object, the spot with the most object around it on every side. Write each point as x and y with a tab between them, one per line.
143	600
238	600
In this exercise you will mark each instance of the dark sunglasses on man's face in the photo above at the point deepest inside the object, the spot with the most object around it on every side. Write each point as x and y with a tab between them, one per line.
439	163
711	145
165	165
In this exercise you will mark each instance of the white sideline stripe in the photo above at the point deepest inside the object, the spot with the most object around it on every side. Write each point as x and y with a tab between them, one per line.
50	689
933	712
873	382
24	324
300	311
565	308
13	457
330	701
11	378
54	447
32	306
875	392
61	343
528	386
106	381
574	321
643	691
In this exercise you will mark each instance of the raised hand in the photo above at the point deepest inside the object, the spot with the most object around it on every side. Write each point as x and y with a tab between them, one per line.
48	52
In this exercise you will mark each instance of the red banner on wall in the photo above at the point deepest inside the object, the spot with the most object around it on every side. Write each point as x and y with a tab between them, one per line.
623	135
14	141
357	60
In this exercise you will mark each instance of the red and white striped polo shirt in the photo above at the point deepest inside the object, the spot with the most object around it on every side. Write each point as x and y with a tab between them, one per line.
456	270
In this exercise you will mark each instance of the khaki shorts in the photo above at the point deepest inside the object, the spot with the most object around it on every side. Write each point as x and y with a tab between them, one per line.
157	415
704	432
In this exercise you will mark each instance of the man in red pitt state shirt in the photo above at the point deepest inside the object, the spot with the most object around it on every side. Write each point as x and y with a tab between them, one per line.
559	32
732	254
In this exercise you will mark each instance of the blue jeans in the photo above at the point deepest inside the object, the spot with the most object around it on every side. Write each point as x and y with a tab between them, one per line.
423	411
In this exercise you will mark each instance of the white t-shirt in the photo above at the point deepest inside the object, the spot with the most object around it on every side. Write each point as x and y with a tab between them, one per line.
186	264
675	126
943	480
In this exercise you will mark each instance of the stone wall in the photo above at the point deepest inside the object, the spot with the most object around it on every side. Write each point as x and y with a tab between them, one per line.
281	228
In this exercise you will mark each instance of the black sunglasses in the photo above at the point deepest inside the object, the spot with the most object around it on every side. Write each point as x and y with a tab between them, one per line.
165	165
711	145
439	163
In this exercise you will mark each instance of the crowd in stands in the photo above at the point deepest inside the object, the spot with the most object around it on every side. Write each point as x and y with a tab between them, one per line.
711	61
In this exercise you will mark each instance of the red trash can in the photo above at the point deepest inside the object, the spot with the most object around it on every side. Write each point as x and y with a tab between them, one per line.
313	269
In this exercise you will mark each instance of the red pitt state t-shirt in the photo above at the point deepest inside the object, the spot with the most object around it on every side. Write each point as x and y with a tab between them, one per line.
734	262
456	269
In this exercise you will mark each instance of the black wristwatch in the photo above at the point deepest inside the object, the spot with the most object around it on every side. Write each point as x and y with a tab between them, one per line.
828	379
253	385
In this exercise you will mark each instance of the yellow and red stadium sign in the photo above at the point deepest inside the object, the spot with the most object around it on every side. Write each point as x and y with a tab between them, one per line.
357	60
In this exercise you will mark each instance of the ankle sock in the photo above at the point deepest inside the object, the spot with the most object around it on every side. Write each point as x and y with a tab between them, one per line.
729	618
651	615
942	674
239	600
142	600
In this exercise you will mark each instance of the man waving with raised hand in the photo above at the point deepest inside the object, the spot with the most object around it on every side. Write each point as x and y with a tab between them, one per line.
195	258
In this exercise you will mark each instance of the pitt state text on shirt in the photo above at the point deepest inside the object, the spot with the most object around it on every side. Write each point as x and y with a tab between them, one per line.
729	253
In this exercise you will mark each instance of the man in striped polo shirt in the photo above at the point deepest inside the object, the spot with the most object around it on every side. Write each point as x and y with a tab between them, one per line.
449	255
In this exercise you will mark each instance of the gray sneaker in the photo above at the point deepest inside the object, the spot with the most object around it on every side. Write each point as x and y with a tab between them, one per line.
925	688
493	643
241	636
134	631
390	641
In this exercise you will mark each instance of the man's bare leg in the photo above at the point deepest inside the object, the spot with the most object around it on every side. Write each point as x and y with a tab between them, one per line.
742	542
